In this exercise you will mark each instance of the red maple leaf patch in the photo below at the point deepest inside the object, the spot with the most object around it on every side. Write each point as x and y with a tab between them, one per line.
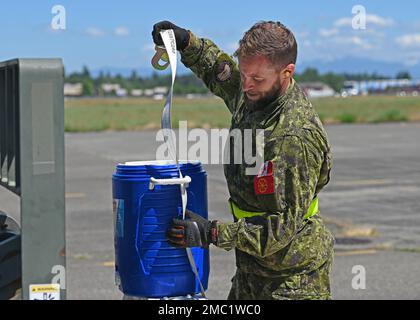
264	181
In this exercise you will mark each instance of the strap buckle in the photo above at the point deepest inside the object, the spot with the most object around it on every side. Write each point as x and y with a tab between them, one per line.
160	55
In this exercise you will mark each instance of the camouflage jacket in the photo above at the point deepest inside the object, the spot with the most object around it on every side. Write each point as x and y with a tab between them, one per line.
280	242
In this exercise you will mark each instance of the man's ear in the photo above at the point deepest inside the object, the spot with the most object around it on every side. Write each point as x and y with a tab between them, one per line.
289	70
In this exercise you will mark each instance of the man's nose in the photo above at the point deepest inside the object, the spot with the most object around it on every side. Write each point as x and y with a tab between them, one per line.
247	85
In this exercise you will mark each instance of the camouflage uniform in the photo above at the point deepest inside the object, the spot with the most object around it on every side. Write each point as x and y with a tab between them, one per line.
279	255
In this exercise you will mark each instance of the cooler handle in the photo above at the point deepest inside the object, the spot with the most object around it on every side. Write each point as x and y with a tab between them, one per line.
165	182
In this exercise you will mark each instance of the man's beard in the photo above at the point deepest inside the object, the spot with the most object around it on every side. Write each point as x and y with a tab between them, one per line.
265	100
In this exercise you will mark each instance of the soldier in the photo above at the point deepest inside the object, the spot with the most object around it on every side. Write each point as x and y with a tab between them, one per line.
283	248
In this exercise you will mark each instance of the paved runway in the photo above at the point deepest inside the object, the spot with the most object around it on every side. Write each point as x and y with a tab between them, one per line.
374	192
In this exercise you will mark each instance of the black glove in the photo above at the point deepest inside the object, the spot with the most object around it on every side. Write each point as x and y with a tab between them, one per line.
195	231
182	36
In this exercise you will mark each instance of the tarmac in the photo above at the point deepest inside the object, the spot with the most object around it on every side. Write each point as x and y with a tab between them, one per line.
371	205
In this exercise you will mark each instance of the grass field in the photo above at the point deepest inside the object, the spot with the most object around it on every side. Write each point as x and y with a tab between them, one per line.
137	114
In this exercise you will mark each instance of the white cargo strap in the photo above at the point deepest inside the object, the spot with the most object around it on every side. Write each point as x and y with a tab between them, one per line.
168	37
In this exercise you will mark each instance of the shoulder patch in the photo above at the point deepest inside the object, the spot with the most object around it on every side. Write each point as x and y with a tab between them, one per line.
264	181
224	71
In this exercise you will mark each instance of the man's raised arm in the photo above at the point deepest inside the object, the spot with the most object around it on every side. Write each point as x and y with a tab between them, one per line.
217	69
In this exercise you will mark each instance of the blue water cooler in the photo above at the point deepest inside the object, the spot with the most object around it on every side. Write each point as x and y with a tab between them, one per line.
145	264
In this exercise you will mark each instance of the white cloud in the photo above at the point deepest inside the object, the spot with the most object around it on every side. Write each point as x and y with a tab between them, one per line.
121	32
354	41
302	34
409	40
415	25
307	43
343	22
326	33
371	19
411	62
372	32
379	21
149	47
94	32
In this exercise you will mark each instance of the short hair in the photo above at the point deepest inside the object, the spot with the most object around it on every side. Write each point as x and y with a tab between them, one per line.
270	39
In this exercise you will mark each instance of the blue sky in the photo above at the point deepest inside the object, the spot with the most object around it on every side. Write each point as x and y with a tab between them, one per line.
110	33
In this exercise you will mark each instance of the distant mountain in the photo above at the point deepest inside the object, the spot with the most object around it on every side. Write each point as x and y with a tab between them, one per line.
358	65
349	65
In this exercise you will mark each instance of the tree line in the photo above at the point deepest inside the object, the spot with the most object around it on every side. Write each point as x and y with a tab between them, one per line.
190	84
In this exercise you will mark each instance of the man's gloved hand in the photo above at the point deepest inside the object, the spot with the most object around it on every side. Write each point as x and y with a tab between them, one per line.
195	231
182	35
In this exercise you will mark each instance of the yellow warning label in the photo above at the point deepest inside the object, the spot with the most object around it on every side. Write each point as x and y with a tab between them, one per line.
47	288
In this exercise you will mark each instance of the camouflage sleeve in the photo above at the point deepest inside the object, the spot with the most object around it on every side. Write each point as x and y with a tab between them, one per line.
296	167
217	69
